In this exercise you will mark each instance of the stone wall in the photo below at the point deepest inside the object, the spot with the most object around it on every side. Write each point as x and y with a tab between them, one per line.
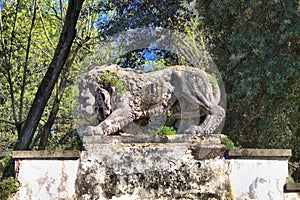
152	171
258	174
46	175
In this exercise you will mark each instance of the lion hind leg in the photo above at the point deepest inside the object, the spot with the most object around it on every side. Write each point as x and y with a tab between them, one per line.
211	123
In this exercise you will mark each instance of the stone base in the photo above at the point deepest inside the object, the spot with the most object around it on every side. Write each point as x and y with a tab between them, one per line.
150	171
195	170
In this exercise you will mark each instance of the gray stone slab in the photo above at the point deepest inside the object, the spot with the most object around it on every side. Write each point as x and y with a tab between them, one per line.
292	187
47	154
113	139
262	153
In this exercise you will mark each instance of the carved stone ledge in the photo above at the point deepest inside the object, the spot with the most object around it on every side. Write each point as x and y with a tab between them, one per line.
47	154
292	187
102	139
260	153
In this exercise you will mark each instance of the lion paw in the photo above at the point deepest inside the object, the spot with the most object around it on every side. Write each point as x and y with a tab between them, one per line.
93	130
195	130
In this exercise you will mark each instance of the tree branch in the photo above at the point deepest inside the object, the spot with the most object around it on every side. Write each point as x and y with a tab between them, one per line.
46	32
7	122
26	62
12	96
46	87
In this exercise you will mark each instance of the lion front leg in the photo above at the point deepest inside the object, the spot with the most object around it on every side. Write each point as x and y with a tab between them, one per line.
118	119
93	130
115	122
195	130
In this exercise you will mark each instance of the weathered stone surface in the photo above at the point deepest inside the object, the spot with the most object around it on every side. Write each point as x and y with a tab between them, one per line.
262	153
125	138
292	187
258	178
208	147
179	95
43	179
150	171
47	154
102	139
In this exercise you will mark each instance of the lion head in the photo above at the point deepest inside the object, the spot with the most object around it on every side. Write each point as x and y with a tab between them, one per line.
95	97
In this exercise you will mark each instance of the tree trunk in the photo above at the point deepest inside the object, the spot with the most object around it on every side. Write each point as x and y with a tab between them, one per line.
45	89
53	113
65	77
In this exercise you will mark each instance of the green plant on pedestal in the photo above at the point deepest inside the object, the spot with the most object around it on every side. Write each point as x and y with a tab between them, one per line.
166	130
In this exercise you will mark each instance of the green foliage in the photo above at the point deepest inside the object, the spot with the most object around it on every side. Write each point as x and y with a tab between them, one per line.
29	32
114	80
8	187
155	65
121	88
66	139
4	162
139	59
214	83
7	138
290	179
124	14
27	36
229	144
8	184
166	130
256	47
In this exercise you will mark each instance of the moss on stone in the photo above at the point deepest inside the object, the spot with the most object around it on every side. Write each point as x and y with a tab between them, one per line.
114	80
214	82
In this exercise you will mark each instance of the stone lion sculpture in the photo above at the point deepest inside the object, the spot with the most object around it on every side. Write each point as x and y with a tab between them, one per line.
120	96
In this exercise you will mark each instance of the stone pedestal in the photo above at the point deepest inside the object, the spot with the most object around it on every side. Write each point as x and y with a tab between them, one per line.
197	170
152	171
153	167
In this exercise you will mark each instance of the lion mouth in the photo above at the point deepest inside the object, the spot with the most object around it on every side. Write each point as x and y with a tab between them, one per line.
102	104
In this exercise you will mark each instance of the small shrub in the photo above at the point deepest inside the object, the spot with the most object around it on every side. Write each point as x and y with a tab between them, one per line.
291	179
8	184
6	166
229	144
166	130
121	88
8	187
